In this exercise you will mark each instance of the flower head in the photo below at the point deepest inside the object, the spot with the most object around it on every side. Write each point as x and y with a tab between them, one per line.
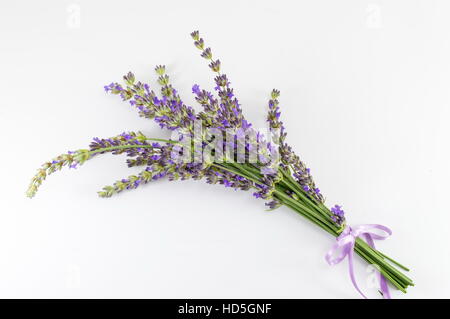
338	214
207	54
160	69
215	66
195	35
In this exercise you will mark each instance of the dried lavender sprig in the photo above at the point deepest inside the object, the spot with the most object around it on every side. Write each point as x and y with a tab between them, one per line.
229	112
71	159
116	145
133	181
168	113
300	171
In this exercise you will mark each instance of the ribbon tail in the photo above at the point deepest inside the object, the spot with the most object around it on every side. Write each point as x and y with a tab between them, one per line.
383	282
384	287
351	270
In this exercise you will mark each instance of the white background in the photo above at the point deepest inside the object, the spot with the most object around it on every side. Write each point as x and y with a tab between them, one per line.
365	98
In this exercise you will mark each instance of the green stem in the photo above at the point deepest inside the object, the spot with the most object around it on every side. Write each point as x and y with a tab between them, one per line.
318	214
393	261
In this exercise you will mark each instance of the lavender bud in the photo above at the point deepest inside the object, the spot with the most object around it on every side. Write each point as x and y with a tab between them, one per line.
215	66
207	54
163	79
275	94
160	69
195	35
129	78
200	44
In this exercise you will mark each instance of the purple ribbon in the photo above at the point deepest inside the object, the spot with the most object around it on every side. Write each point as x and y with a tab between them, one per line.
346	244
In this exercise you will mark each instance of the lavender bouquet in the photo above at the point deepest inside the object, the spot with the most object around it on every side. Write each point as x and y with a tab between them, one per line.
219	145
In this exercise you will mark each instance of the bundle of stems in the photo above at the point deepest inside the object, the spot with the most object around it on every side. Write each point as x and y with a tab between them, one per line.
320	215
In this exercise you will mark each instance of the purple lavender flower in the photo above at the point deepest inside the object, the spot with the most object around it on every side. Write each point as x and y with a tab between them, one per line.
196	89
338	214
171	113
273	204
215	66
337	210
195	35
207	54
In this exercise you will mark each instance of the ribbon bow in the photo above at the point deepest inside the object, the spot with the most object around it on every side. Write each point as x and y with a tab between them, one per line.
346	244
